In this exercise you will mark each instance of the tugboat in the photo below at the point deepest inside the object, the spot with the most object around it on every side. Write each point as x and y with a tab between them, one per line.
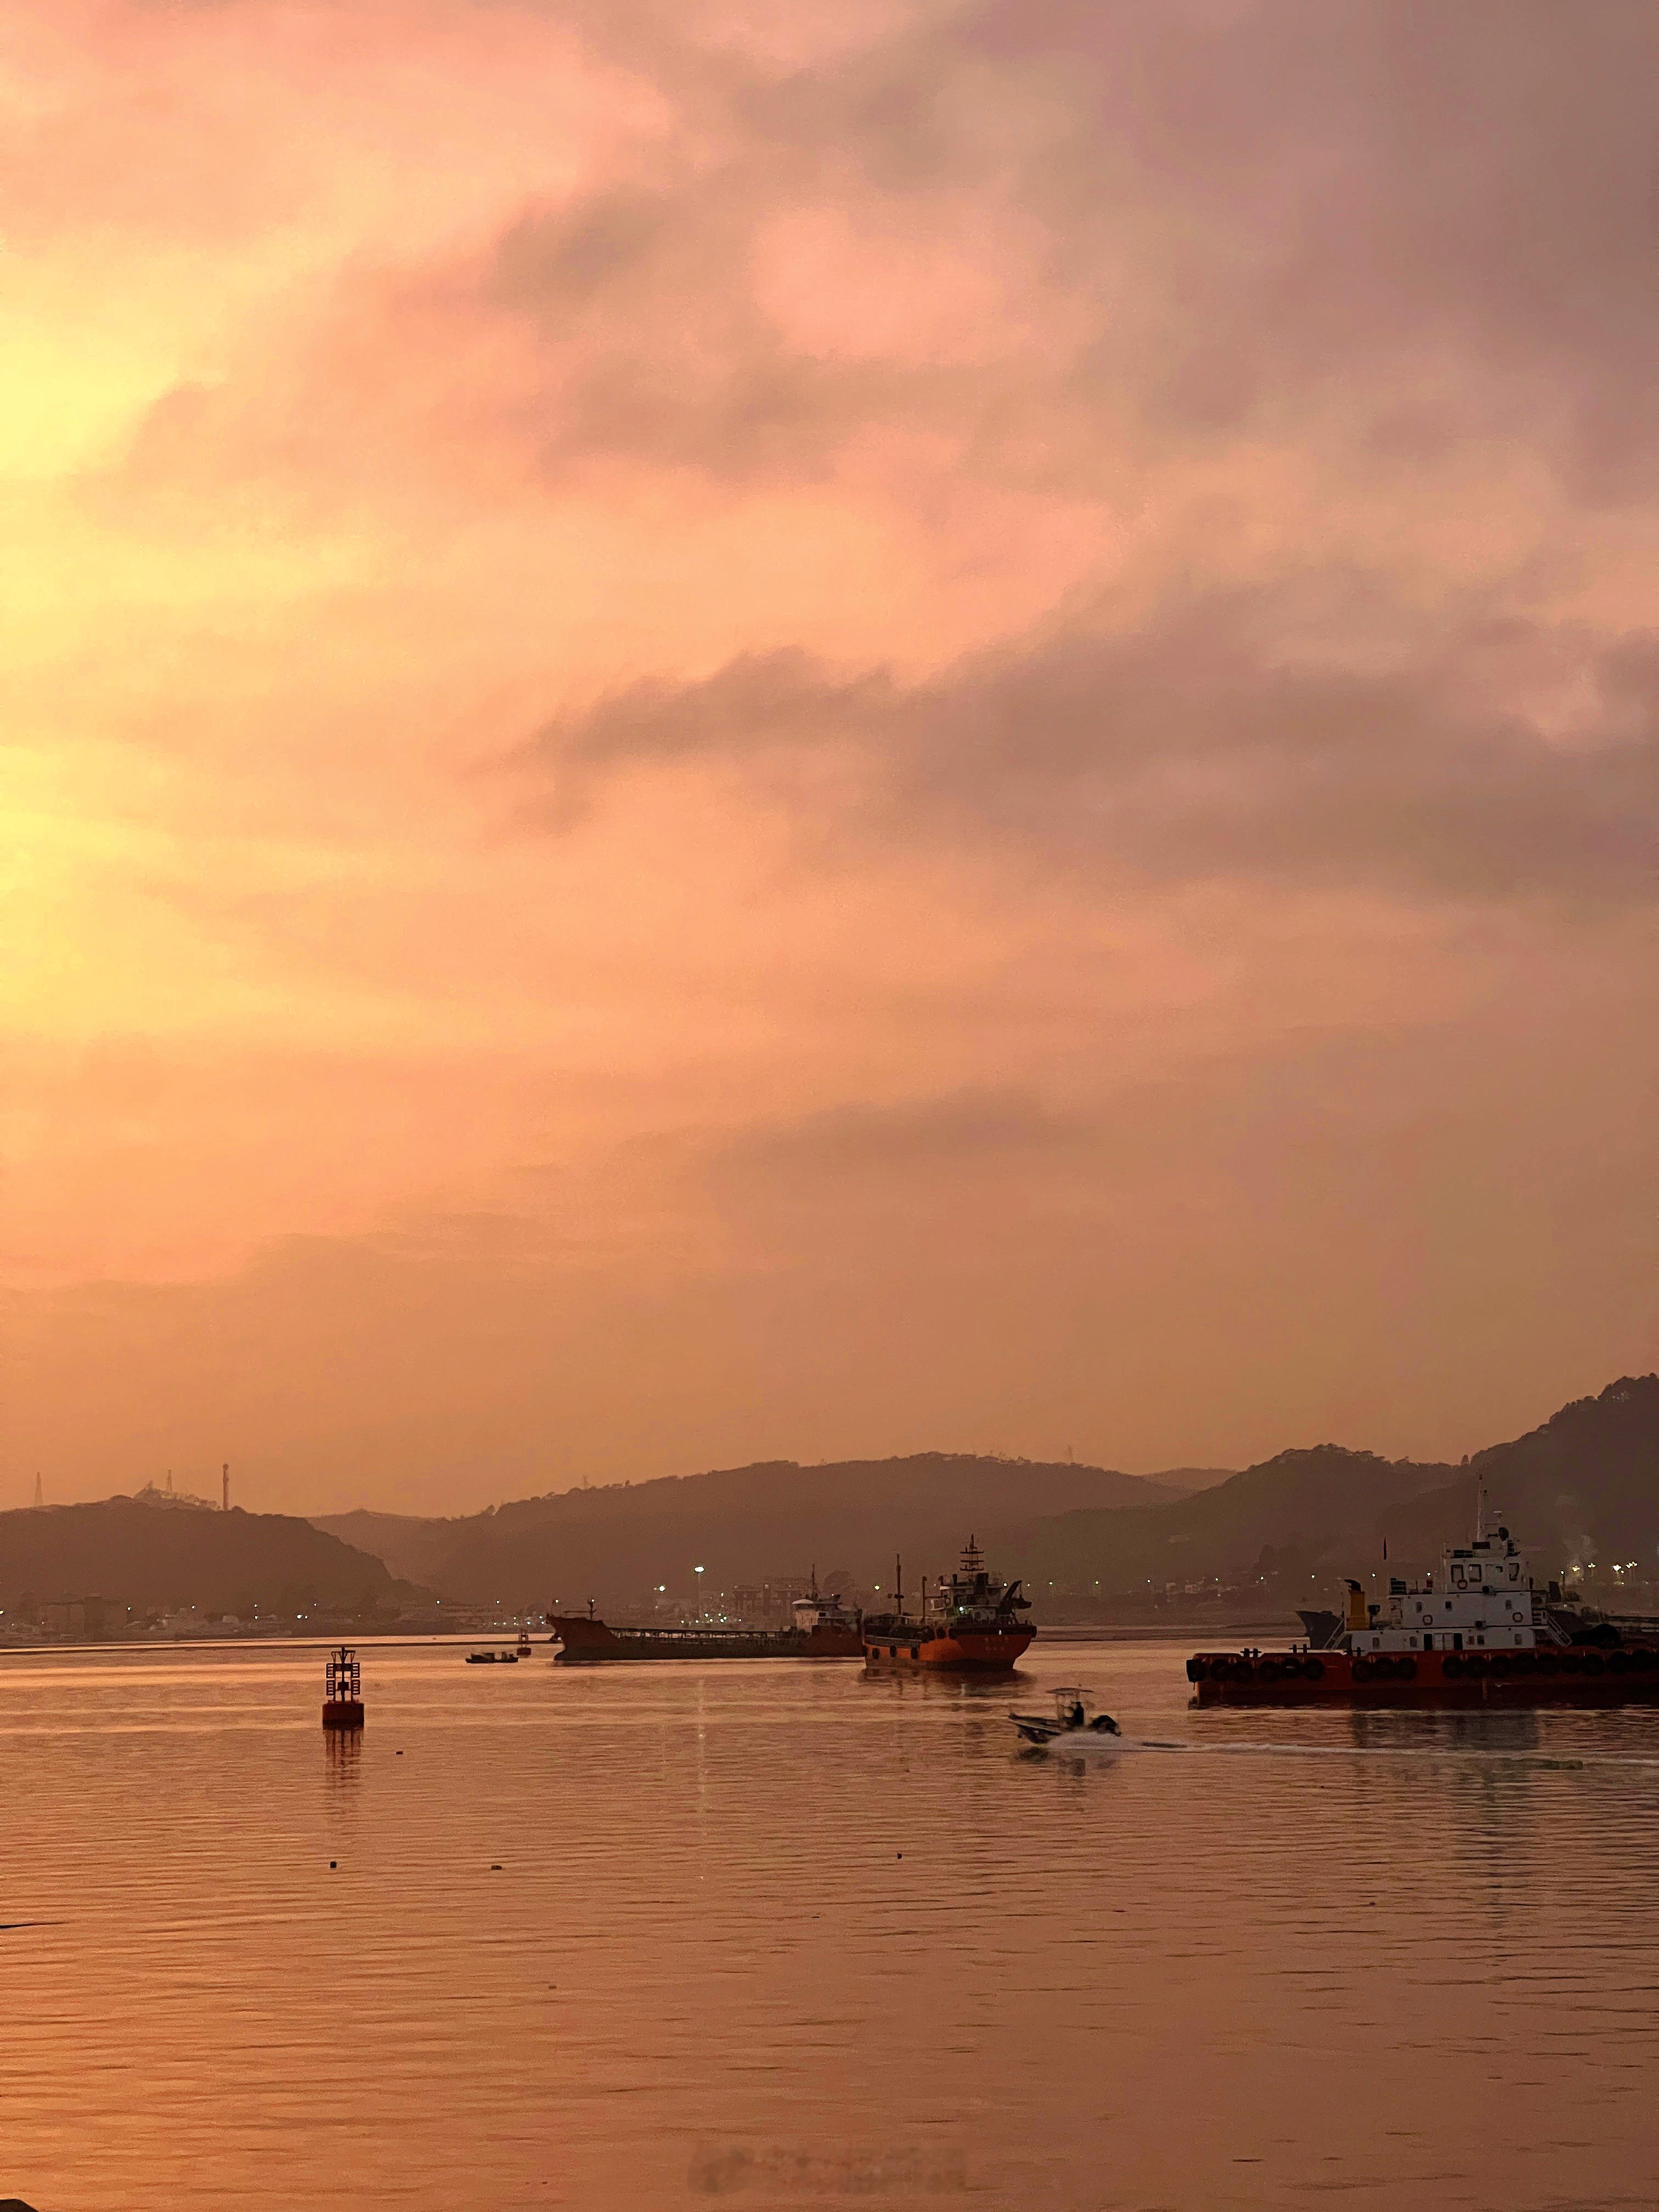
342	1690
971	1625
1478	1632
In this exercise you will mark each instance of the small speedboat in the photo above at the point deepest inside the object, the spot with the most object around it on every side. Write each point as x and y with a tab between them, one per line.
1075	1715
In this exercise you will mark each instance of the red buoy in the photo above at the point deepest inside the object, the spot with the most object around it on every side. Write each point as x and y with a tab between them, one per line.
342	1690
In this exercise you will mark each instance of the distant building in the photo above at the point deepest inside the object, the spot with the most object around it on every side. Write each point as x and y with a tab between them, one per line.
767	1605
152	1495
82	1618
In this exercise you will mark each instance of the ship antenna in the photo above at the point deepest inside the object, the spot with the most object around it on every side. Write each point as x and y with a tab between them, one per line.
898	1581
1480	1508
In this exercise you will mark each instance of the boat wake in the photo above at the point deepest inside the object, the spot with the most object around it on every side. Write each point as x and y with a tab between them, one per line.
1077	1729
1427	1751
1086	1749
1079	1744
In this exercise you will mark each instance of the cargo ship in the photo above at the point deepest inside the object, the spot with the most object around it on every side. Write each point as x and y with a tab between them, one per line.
820	1628
1478	1633
968	1624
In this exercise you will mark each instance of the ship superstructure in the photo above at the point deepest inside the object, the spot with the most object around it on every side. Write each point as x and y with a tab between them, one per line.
969	1623
1478	1629
1483	1600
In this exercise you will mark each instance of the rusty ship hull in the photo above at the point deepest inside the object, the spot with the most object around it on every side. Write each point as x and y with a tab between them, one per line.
584	1642
1572	1675
906	1647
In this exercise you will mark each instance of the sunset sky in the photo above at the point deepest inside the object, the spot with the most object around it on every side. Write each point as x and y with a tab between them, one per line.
781	730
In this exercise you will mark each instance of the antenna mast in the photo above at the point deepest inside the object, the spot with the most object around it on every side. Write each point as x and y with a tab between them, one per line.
224	1488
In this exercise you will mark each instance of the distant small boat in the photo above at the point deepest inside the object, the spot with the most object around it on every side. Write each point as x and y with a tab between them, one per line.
523	1651
1076	1730
492	1658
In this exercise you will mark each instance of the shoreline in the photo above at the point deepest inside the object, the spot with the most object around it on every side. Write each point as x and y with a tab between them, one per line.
1067	1632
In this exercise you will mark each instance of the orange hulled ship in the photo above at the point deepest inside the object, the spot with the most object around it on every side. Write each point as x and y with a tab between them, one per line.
969	1623
1478	1632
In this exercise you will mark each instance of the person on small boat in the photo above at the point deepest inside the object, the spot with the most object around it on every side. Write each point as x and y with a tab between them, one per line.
1076	1717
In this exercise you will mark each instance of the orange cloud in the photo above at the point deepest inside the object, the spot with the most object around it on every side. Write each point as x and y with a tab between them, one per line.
769	730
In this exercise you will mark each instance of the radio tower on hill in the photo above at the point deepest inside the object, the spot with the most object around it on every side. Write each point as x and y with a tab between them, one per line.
224	1480
39	1495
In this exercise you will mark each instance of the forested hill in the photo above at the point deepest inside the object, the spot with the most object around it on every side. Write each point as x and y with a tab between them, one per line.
739	1523
154	1558
1286	1517
1582	1486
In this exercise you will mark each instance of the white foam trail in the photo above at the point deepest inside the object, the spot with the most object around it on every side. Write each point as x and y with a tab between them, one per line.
1394	1751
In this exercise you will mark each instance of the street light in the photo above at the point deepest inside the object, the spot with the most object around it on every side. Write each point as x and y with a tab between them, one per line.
698	1572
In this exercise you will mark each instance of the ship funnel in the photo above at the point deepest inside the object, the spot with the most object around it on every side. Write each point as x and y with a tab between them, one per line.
1356	1606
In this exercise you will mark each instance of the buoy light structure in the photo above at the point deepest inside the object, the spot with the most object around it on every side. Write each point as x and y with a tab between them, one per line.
342	1690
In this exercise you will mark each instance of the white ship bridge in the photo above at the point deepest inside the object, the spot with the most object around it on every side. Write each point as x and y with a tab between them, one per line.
1482	1599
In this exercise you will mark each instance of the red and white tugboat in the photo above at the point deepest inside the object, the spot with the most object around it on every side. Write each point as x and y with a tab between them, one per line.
1478	1632
971	1625
342	1690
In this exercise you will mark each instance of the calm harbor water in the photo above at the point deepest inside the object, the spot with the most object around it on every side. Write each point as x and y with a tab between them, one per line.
772	1935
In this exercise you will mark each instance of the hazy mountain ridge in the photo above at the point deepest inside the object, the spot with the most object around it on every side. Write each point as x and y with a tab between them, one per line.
1587	1477
1584	1480
1584	1486
409	1544
771	1517
1285	1516
1186	1481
